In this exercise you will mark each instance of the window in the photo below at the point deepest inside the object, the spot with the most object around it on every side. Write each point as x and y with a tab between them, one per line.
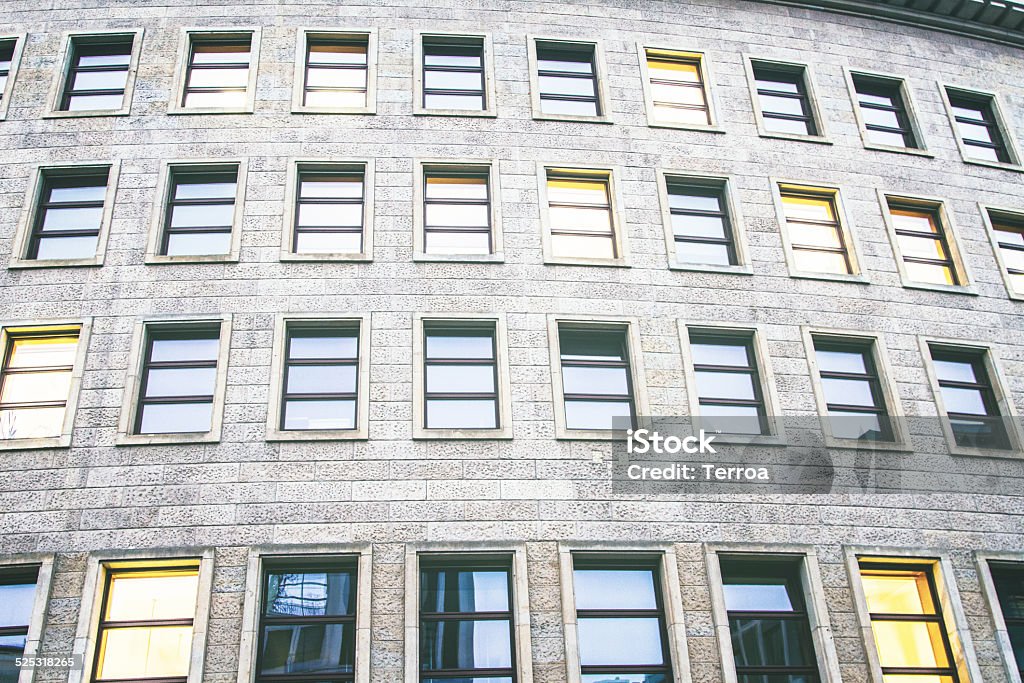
678	94
852	389
336	71
579	214
597	383
217	76
466	627
6	63
145	627
1008	230
783	98
768	620
36	382
701	227
567	79
200	212
906	620
97	75
321	377
728	386
457	210
329	210
1008	578
307	622
968	397
17	599
460	375
179	378
884	112
922	243
613	598
454	73
816	237
977	125
69	214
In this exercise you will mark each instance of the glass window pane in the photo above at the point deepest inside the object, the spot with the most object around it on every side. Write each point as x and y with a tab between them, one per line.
337	53
229	99
568	191
787	126
853	425
152	595
122	58
614	589
680	198
332	187
678	94
585	345
462	102
699	226
909	643
319	415
336	78
778	82
95	102
322	347
36	352
213	53
840	361
453	80
579	219
963	401
307	649
184	349
568	107
731	419
898	593
100	80
733	355
954	371
321	379
219	78
848	391
582	247
17	600
921	247
207	190
880	137
924	272
66	248
336	99
668	70
601	641
445	346
33	387
771	642
455	187
728	385
309	593
820	262
620	677
128	653
84	218
564	61
464	644
437	56
330	215
595	380
809	208
880	117
771	104
457	243
78	193
31	423
458	590
457	215
757	595
198	244
666	114
454	379
805	235
181	382
596	414
904	219
699	252
984	153
970	131
469	414
328	243
212	216
176	418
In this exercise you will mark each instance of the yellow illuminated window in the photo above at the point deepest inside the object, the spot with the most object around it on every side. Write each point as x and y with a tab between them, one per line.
677	89
815	236
922	243
145	630
579	210
35	382
907	624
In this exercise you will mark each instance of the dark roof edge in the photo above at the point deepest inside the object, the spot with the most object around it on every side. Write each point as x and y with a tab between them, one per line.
903	15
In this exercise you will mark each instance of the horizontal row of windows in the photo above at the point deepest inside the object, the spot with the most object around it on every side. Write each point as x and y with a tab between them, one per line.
467	609
457	216
462	390
454	76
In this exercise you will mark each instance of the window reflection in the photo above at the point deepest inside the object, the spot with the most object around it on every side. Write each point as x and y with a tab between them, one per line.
596	378
35	382
17	599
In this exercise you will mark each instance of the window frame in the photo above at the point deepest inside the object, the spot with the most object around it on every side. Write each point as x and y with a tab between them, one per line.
261	557
663	557
997	382
703	68
963	659
13	329
487	73
870	343
620	240
600	80
630	328
275	402
820	124
162	209
999	120
983	559
100	564
731	208
305	35
909	110
781	187
298	166
24	236
187	39
421	167
126	434
762	365
43	565
990	216
58	88
814	595
519	607
19	40
947	231
503	387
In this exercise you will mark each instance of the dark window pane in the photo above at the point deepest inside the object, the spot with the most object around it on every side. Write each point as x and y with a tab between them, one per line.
771	642
465	644
463	590
312	593
307	649
589	346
